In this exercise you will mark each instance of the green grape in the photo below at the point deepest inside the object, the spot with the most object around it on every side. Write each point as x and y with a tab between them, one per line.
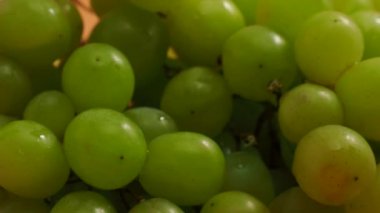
75	22
287	16
83	202
140	35
368	200
185	168
254	58
153	122
306	107
104	148
35	33
52	109
98	75
283	180
199	28
101	7
162	6
15	87
234	201
246	172
358	91
199	100
248	10
350	6
72	185
368	22
333	164
15	204
376	4
287	151
245	115
227	143
294	200
156	205
328	44
32	163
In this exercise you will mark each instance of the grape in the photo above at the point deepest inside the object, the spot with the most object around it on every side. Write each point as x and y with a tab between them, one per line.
15	204
98	75
246	172
248	10
358	90
185	168
153	122
306	107
333	164
287	16
104	148
140	35
376	4
198	100
350	6
328	44
294	200
32	163
52	109
101	7
253	59
234	201
368	200
162	6
198	29
156	205
227	143
83	201
35	33
15	87
75	22
368	22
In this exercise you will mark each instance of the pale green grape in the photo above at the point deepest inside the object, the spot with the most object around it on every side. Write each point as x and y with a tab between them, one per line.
83	202
248	10
254	58
350	6
104	148
35	33
52	109
368	200
358	90
334	164
328	44
287	16
140	36
185	168
369	23
246	172
16	204
15	87
294	200
306	107
199	100
156	205
32	162
153	122
234	201
198	29
98	75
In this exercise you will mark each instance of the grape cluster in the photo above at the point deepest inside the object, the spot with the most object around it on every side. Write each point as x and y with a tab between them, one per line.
211	106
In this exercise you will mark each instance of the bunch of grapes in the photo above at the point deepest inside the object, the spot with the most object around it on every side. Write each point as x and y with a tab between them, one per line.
211	106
